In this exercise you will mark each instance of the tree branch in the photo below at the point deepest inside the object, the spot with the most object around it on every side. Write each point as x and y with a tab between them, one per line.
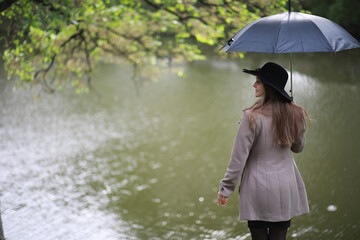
51	7
137	39
120	52
178	15
231	8
87	57
210	4
44	71
75	35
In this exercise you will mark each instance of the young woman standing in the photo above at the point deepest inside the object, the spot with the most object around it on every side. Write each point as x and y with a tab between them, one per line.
271	190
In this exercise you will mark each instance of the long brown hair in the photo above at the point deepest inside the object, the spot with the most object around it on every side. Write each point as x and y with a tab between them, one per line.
288	119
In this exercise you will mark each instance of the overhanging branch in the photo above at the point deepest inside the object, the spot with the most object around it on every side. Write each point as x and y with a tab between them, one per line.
182	18
44	71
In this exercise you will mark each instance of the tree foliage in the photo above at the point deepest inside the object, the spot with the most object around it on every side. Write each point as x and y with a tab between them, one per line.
51	42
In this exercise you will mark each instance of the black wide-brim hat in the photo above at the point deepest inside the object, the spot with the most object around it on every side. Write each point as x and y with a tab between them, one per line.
274	75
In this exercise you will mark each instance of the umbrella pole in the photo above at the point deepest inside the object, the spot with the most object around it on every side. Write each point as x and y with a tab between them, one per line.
291	88
289	6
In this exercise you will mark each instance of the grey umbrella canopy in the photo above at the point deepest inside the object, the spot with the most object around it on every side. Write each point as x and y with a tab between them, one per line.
291	32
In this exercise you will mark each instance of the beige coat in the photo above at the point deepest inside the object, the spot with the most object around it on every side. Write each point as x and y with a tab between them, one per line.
271	187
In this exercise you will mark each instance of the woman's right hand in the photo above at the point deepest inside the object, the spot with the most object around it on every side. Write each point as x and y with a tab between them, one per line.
221	200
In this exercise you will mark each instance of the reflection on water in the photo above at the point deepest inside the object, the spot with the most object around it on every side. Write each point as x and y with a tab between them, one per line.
117	165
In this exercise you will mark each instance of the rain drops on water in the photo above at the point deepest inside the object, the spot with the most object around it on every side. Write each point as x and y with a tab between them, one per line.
331	208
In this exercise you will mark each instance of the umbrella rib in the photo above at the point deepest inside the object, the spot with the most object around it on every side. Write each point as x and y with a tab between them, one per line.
301	39
332	50
277	36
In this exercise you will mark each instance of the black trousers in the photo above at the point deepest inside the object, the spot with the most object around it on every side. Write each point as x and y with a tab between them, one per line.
265	224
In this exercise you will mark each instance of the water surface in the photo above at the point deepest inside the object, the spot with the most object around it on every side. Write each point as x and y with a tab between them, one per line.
126	163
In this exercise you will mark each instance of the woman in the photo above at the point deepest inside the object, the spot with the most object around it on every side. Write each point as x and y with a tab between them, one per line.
271	189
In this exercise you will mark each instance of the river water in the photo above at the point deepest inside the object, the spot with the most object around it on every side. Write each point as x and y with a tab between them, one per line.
127	163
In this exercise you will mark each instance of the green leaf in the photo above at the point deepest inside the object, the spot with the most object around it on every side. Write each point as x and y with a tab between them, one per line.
204	39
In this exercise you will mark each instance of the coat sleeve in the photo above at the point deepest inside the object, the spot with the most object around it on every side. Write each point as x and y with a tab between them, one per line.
243	143
299	144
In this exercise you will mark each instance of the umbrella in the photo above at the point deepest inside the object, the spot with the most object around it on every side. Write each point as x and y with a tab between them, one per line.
291	32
